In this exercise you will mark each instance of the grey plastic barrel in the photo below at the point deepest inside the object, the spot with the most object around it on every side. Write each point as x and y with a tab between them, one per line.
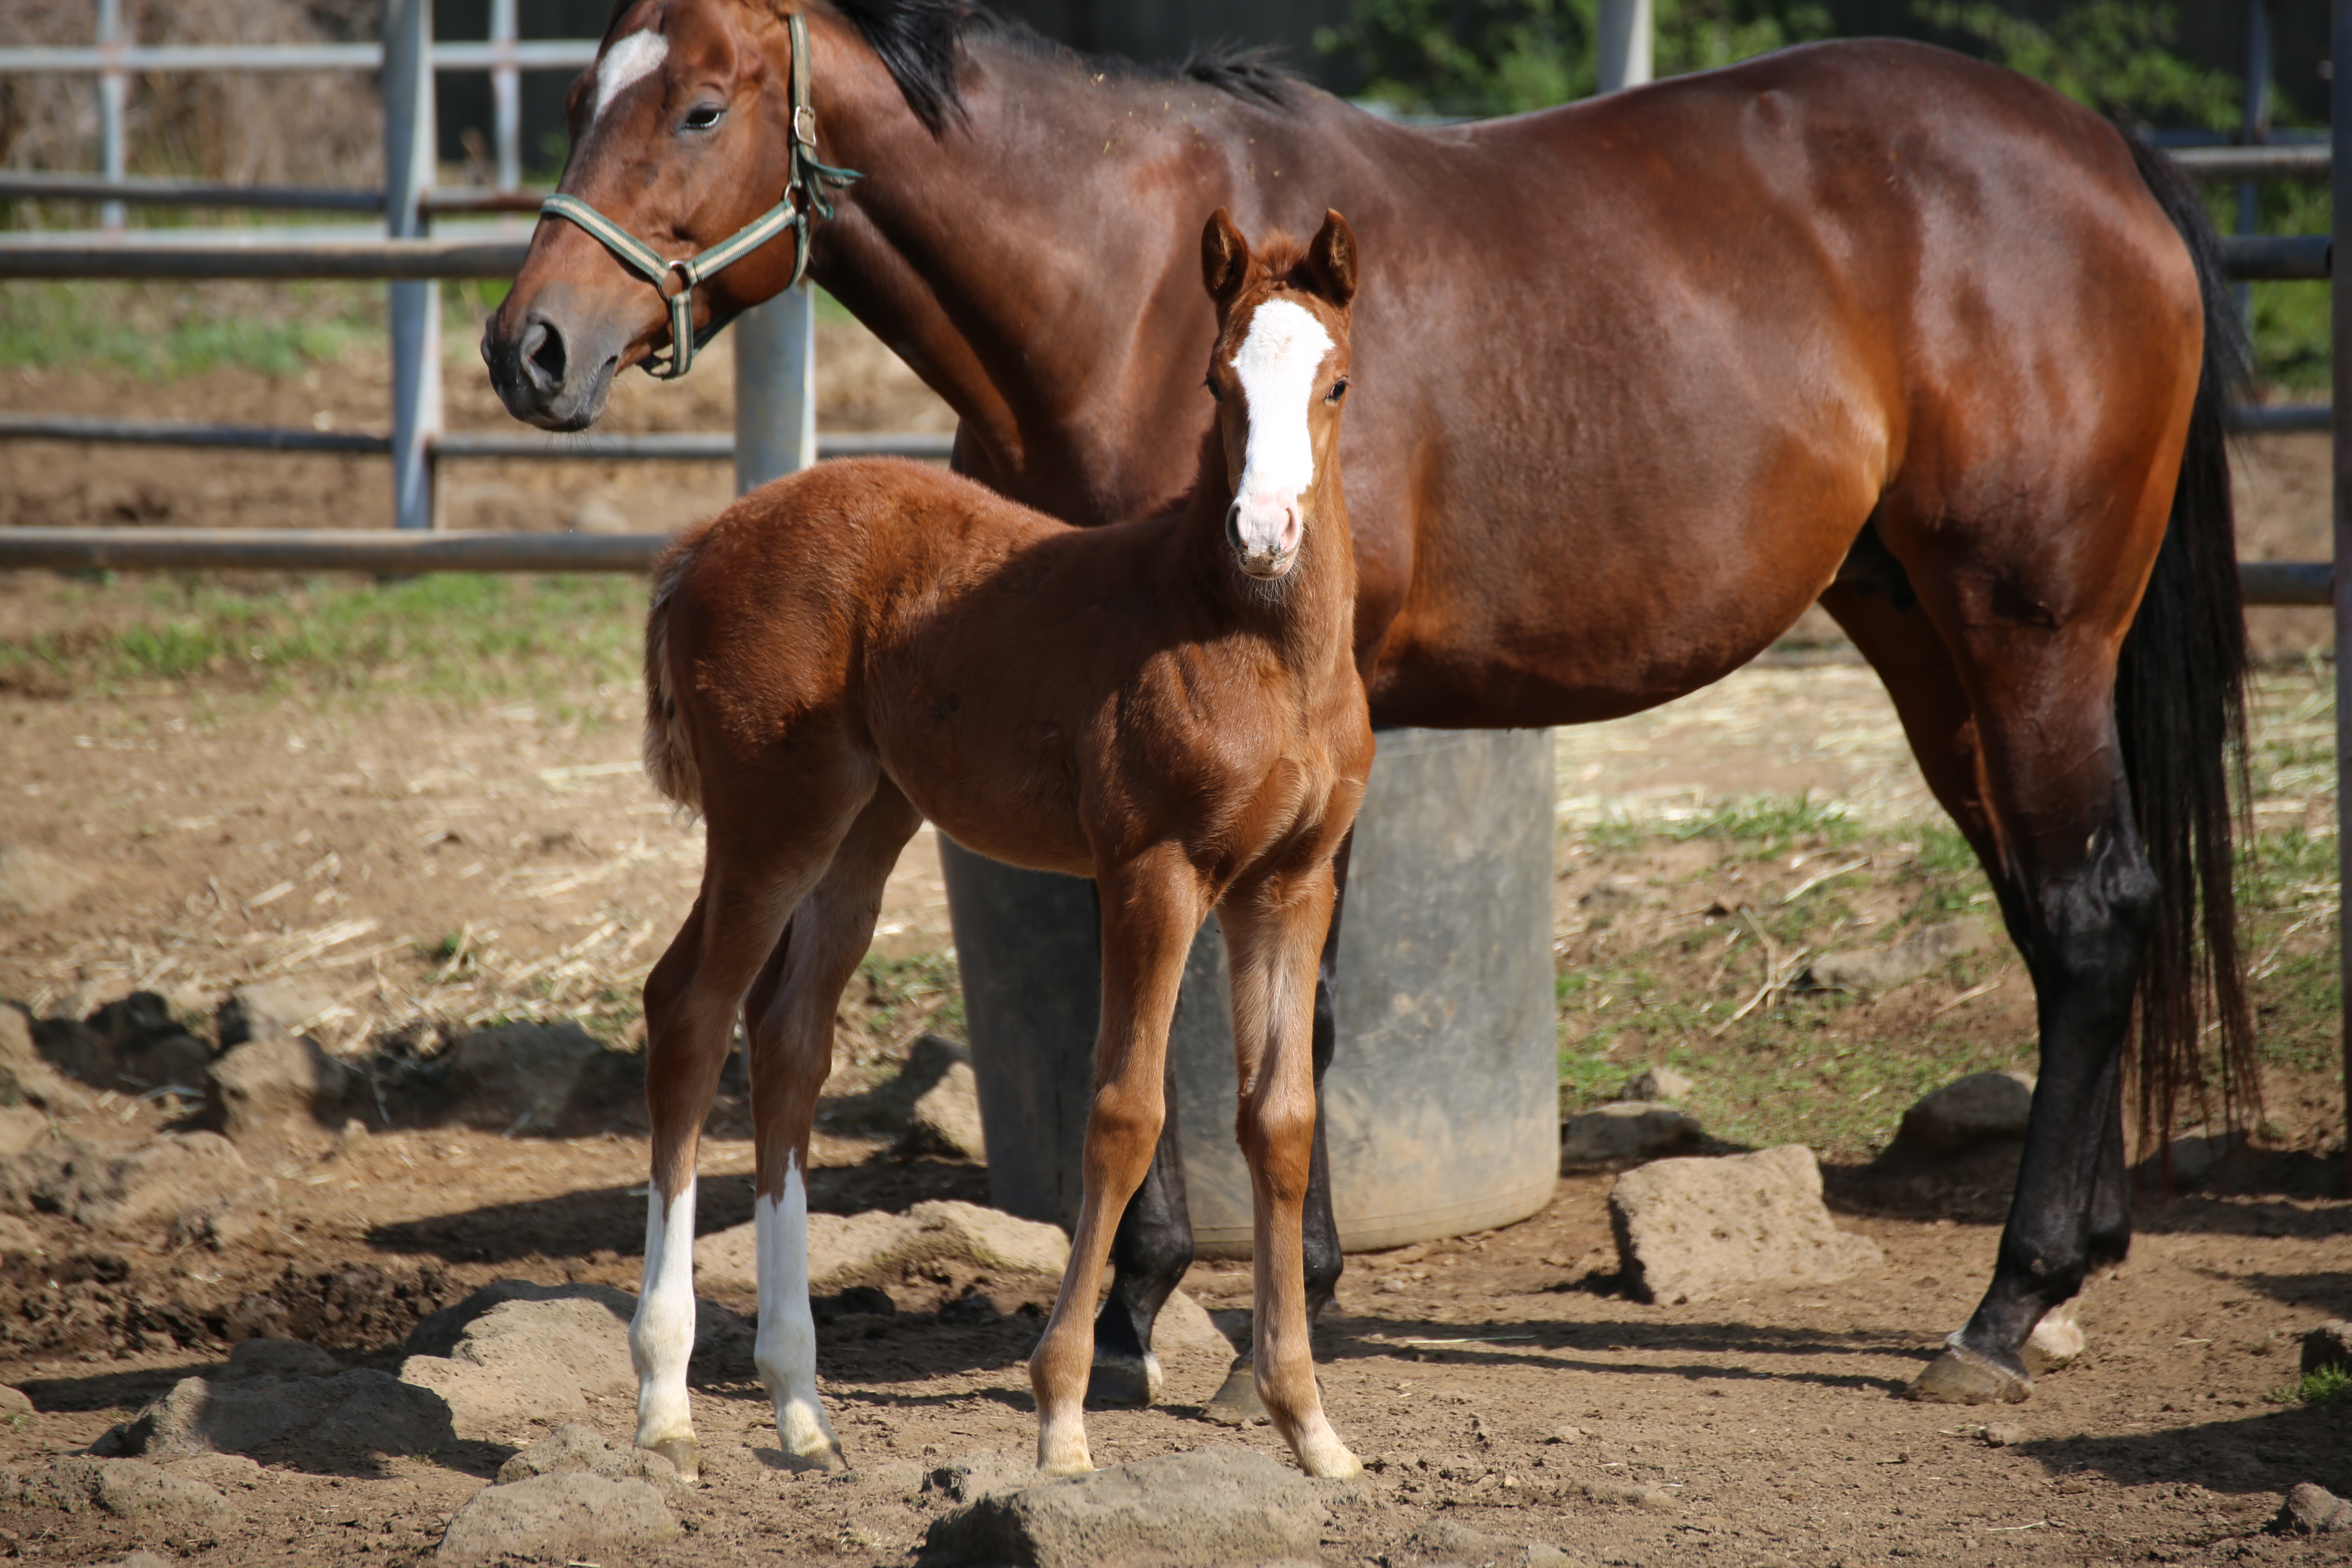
1441	1102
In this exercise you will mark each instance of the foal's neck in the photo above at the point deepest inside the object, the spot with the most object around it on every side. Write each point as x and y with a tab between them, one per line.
1308	614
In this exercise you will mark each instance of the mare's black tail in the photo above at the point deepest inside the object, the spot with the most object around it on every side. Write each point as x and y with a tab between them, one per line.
2180	713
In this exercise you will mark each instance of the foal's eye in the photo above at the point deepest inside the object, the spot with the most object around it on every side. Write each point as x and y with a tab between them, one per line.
1212	391
1338	389
703	116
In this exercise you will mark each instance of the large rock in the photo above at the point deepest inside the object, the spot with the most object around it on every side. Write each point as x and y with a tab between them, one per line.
1967	1113
107	1190
865	1247
361	1409
1625	1132
1882	968
32	882
128	1488
280	1086
1212	1505
514	1354
2313	1509
1691	1229
569	1516
519	1075
573	1449
946	1117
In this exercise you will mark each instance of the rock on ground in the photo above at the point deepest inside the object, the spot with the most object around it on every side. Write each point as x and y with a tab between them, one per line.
25	1074
2329	1346
1656	1084
361	1409
1212	1505
15	1402
2313	1509
863	1247
515	1354
1450	1540
1625	1132
1184	1324
1967	1113
520	1075
128	1488
22	1128
269	1010
1691	1229
572	1448
282	1359
280	1085
222	1222
107	1190
571	1515
946	1117
1880	968
32	882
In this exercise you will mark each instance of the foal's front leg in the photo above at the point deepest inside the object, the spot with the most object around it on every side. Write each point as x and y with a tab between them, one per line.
1272	934
1152	907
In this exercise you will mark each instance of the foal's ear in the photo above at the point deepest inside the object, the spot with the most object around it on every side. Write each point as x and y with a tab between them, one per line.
1331	260
1224	257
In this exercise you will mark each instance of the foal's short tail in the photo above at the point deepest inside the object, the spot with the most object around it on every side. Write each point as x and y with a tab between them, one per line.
670	759
2180	712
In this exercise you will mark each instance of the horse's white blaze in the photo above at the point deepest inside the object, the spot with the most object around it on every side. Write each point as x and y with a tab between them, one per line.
1279	365
785	1351
628	61
661	1336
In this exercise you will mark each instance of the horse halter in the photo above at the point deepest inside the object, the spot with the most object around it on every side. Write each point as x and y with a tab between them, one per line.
804	200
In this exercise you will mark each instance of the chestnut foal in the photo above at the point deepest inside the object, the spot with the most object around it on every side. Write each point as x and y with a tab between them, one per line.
1169	706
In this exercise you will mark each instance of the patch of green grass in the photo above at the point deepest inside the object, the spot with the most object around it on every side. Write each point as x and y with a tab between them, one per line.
2326	1388
1768	826
465	636
922	993
161	331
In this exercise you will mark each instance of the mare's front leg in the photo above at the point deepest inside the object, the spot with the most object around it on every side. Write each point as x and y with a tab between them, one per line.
790	1012
1152	907
1272	931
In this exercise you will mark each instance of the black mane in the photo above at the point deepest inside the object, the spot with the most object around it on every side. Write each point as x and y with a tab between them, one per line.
922	43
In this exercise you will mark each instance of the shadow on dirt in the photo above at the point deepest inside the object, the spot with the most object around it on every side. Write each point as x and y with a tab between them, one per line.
612	1219
2263	1453
1539	1346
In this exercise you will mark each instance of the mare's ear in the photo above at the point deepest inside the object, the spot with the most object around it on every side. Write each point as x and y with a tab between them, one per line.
1224	257
1331	260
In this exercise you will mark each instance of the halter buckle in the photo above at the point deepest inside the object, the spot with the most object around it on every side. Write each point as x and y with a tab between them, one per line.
804	126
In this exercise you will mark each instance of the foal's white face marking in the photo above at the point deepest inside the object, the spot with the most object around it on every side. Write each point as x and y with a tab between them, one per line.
628	61
1279	365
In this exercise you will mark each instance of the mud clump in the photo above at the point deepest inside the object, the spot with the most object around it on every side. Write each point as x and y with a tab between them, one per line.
359	1307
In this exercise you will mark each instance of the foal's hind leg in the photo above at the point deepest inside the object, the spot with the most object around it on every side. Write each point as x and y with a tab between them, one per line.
789	1013
751	881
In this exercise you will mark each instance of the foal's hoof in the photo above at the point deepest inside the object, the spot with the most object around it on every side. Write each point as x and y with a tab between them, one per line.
1123	1382
1237	1403
682	1454
1963	1377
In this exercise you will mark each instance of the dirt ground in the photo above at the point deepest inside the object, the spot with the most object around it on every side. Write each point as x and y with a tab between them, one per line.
1486	1379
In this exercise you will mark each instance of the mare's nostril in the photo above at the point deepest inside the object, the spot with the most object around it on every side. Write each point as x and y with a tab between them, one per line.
1234	525
542	354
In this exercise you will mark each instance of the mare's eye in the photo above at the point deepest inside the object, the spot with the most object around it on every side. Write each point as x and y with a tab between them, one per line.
703	116
1338	389
1212	391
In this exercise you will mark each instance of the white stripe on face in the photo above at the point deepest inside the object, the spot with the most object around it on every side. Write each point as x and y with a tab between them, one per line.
626	62
1278	365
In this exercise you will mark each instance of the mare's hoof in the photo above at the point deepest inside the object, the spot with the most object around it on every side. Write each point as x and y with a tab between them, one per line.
1963	1377
826	1456
1123	1382
1237	1403
682	1453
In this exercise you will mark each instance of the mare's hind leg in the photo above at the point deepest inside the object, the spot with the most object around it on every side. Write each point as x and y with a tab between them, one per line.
754	872
1274	932
2015	725
1152	906
789	1015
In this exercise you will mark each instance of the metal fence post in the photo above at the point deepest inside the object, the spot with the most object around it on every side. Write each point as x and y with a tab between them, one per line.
776	387
2340	290
1625	33
409	150
113	88
506	99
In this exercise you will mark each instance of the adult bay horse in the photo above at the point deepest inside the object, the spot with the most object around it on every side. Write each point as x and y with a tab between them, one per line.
1643	377
1168	706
